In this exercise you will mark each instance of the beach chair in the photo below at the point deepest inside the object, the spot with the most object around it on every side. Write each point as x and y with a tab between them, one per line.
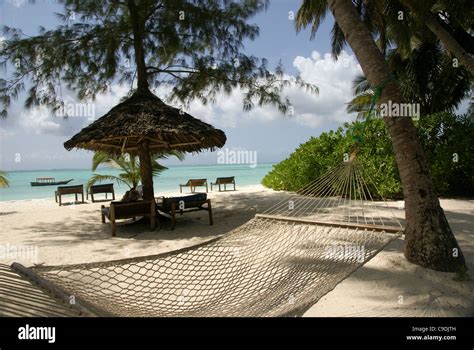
129	210
64	190
184	204
230	180
103	188
193	183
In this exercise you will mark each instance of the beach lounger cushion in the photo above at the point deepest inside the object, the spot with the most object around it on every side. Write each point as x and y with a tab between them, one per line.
185	204
198	197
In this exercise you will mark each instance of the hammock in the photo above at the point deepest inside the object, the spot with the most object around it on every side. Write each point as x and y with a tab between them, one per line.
278	264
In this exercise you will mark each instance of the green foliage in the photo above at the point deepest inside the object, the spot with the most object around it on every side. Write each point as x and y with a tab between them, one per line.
192	46
377	161
3	179
309	161
426	77
443	135
447	141
130	167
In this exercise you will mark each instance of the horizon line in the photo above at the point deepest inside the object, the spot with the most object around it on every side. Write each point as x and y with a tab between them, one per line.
168	166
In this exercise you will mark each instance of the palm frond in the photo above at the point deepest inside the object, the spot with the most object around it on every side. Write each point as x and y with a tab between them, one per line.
125	162
361	103
360	84
130	165
173	153
102	158
311	12
132	179
3	179
156	167
99	178
338	40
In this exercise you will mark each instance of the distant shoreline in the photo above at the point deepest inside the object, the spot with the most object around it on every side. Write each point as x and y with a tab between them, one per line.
101	168
167	181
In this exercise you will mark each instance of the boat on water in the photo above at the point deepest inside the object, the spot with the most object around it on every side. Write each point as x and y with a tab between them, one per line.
48	181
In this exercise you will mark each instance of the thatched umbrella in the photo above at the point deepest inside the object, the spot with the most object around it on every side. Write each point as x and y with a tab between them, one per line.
143	124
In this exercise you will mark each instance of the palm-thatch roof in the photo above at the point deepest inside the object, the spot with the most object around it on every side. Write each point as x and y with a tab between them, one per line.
145	116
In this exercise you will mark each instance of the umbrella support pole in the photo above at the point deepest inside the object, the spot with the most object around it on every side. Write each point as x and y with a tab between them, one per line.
146	172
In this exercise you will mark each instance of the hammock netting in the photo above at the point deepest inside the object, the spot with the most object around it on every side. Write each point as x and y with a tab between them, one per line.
278	264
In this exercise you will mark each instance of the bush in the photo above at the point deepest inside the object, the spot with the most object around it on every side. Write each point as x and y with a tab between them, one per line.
309	161
448	143
443	135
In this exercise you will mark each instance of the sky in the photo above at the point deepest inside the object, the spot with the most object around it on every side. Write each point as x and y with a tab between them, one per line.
33	139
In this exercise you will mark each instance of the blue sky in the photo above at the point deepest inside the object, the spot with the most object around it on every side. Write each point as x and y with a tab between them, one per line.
36	136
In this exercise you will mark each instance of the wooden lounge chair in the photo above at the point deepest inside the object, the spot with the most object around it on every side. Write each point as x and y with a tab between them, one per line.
230	180
102	188
128	210
63	190
184	204
193	183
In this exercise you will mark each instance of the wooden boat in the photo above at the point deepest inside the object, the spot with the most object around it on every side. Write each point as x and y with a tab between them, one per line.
49	181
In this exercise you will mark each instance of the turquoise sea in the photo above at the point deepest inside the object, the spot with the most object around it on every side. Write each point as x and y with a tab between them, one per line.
168	180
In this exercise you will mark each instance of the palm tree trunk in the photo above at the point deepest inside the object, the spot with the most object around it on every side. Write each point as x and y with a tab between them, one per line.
443	35
429	241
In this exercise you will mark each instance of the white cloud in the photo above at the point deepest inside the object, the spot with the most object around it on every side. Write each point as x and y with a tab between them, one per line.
17	3
40	120
228	111
333	78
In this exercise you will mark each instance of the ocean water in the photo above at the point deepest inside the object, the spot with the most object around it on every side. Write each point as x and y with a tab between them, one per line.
167	181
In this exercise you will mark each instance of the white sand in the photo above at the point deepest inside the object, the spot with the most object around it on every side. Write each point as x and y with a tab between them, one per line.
386	286
74	233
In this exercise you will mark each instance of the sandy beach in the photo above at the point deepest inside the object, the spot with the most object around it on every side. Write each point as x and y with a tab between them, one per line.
385	286
390	286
